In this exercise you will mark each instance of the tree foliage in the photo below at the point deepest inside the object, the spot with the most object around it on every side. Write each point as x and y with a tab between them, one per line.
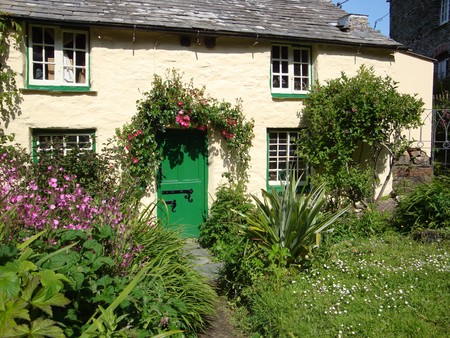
354	130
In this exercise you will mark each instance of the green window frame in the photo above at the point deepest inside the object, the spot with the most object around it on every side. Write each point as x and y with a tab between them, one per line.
290	71
282	157
57	58
62	141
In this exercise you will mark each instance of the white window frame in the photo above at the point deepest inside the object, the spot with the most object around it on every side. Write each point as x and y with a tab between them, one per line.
442	69
445	11
288	69
282	157
58	70
68	139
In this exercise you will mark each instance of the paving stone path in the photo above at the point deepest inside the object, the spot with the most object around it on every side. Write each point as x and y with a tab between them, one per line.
219	323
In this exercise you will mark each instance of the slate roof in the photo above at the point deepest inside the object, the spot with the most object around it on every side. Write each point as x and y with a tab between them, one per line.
306	20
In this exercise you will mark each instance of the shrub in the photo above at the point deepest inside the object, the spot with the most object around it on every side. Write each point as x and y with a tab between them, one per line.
368	223
291	220
223	229
353	128
427	206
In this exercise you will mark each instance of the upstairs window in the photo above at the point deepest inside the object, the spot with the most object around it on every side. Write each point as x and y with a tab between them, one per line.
57	57
290	70
445	11
283	158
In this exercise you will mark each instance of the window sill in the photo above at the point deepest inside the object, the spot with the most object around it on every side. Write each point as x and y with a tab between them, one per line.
58	90
289	96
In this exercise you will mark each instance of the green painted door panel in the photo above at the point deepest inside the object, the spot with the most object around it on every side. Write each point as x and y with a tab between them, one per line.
182	180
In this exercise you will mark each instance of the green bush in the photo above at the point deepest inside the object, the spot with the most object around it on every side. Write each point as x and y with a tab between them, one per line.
223	229
427	206
368	223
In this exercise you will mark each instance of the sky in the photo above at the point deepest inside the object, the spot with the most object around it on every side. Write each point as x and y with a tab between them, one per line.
375	9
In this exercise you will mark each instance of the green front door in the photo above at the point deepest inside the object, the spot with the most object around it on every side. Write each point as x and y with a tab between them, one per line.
182	180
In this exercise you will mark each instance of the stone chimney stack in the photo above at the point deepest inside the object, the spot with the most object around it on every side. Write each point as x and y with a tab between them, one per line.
352	22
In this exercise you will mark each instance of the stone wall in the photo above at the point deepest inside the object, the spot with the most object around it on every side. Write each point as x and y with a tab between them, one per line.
412	168
415	23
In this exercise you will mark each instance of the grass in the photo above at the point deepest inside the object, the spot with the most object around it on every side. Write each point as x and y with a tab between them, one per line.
387	286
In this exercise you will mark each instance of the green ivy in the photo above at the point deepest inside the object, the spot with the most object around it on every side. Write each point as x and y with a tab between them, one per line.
172	103
10	33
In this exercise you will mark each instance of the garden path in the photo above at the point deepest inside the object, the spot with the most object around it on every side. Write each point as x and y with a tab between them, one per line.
219	325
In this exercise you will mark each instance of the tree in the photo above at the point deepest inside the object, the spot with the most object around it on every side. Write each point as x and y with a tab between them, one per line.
353	128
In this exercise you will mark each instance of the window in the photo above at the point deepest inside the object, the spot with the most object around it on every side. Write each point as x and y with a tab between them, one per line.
282	157
445	11
61	141
291	70
442	69
57	57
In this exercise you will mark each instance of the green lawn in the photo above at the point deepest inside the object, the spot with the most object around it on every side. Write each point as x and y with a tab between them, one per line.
389	286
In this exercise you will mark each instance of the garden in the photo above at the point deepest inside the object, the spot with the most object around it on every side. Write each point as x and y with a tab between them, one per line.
81	257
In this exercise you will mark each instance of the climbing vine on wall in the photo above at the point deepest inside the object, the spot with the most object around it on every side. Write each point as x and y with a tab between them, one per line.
174	104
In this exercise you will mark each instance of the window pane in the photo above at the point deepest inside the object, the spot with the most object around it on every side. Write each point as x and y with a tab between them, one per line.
284	52
275	52
297	84
284	67
296	55
37	71
276	67
36	33
68	40
305	84
305	69
275	81
305	57
80	41
80	59
80	75
49	54
49	36
285	82
38	53
297	69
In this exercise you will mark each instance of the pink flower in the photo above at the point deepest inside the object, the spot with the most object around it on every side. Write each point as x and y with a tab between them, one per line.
52	207
180	104
183	120
33	185
202	128
135	160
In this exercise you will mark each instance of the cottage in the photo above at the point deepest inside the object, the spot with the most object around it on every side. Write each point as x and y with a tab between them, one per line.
83	65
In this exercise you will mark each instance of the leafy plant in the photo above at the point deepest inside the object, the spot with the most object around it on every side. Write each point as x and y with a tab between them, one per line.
348	118
10	33
290	219
223	228
28	294
427	206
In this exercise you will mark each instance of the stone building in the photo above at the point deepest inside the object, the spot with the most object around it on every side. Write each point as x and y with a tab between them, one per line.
424	27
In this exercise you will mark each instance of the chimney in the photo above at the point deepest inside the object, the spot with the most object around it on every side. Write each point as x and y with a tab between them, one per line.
351	22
